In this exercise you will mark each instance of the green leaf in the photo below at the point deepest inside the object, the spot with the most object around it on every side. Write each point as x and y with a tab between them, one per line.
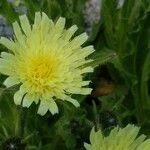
102	57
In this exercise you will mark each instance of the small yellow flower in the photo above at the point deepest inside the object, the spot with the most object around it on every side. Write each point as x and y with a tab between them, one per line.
119	139
46	61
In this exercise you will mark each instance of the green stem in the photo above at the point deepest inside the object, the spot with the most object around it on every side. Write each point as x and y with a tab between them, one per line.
21	121
97	126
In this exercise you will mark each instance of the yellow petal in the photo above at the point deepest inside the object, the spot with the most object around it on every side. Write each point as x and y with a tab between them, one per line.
26	27
78	41
43	108
7	43
7	56
145	145
73	101
18	97
70	32
60	24
19	35
46	24
87	69
28	100
37	20
10	81
52	106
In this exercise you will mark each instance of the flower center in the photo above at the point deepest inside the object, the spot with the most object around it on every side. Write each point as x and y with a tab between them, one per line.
39	70
43	68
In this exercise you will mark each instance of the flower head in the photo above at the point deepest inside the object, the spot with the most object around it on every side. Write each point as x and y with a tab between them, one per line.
119	139
46	62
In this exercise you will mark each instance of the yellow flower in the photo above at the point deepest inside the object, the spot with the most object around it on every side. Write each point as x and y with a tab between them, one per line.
119	139
46	61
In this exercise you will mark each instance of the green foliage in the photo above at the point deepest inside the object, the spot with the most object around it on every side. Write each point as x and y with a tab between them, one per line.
127	33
